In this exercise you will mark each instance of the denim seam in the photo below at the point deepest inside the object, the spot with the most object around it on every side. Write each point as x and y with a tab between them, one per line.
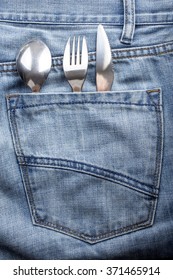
151	97
57	61
101	237
64	19
28	190
133	23
82	102
20	152
93	60
16	133
59	64
159	135
87	238
125	38
149	48
18	149
125	21
158	148
98	172
142	55
103	177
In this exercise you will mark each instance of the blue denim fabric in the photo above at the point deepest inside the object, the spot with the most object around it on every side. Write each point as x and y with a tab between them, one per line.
90	175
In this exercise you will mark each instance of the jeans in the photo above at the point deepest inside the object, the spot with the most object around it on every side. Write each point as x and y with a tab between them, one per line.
89	175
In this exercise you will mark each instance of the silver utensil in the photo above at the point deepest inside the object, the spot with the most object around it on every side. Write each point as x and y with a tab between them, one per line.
104	66
34	63
75	65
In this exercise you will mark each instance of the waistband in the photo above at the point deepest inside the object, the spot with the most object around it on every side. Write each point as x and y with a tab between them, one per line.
85	12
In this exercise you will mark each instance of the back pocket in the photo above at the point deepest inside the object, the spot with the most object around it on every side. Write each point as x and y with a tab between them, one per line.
90	162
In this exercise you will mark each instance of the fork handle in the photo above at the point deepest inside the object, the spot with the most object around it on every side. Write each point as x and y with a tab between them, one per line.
76	85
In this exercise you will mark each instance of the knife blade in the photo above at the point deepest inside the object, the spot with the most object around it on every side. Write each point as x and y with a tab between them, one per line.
104	66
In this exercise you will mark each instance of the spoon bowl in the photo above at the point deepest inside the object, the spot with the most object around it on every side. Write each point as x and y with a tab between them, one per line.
34	63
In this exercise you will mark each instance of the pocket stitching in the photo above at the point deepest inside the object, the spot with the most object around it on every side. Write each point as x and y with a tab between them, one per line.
87	238
159	147
110	234
101	237
82	102
80	167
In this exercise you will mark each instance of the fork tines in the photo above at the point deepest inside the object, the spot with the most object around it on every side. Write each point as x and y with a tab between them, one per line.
75	63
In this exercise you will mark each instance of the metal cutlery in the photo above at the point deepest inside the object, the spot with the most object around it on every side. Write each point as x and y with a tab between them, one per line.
104	66
34	63
75	63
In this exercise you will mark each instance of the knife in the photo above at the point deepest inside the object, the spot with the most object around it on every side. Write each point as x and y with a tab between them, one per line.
104	66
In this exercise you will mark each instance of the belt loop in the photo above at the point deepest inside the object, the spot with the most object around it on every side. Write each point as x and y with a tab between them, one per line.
129	22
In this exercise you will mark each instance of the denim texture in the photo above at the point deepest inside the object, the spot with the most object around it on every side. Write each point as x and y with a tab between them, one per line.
90	175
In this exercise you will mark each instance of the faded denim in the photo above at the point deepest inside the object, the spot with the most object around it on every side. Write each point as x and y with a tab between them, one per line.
90	175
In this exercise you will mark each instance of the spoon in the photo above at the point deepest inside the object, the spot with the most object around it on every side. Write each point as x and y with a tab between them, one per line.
34	63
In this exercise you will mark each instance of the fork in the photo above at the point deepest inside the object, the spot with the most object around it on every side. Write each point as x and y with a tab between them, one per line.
75	64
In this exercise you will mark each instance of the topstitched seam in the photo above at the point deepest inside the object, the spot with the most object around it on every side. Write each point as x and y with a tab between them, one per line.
57	62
